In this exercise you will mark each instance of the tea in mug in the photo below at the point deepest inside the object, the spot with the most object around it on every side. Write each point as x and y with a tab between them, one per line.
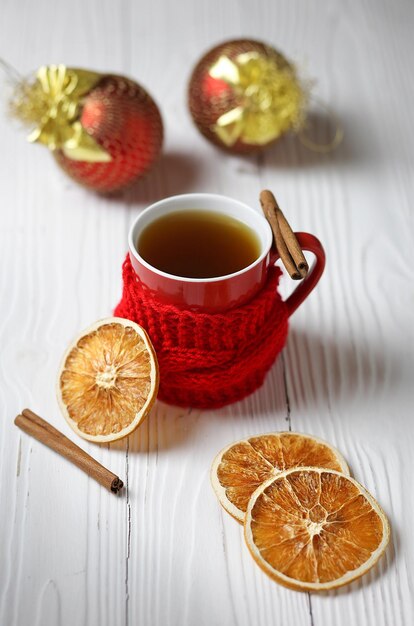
198	244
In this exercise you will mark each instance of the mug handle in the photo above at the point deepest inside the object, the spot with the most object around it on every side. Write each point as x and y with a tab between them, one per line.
312	244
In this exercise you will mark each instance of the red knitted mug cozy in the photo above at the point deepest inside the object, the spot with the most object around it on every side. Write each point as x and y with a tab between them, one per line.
208	360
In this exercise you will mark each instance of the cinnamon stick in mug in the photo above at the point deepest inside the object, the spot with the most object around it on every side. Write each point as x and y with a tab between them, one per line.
285	239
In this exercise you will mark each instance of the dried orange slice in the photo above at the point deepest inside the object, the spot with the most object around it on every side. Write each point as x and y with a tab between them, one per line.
244	465
108	380
314	529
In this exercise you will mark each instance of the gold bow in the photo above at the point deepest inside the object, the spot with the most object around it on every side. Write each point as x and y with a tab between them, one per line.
271	99
53	103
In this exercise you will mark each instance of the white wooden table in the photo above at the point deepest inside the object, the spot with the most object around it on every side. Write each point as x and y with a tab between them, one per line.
165	553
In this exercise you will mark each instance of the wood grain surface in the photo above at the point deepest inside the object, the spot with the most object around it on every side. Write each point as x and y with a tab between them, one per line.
165	553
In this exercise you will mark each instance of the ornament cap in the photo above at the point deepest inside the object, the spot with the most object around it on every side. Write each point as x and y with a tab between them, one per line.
52	103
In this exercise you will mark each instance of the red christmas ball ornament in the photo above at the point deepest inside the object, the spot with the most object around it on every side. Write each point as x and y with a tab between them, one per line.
243	95
105	131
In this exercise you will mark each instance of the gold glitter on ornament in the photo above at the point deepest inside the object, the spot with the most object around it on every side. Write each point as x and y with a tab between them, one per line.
52	104
271	99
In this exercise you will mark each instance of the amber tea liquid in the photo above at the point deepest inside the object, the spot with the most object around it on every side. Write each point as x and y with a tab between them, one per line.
198	244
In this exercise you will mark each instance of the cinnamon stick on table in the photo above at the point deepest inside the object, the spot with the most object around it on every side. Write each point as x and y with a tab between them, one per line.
44	432
285	239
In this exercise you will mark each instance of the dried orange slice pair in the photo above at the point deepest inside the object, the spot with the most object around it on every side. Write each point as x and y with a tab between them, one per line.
307	523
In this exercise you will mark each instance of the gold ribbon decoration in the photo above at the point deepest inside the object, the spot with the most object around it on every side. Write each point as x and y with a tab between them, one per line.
271	99
52	103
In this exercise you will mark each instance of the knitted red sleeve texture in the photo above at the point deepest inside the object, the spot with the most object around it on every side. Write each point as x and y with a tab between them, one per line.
209	360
